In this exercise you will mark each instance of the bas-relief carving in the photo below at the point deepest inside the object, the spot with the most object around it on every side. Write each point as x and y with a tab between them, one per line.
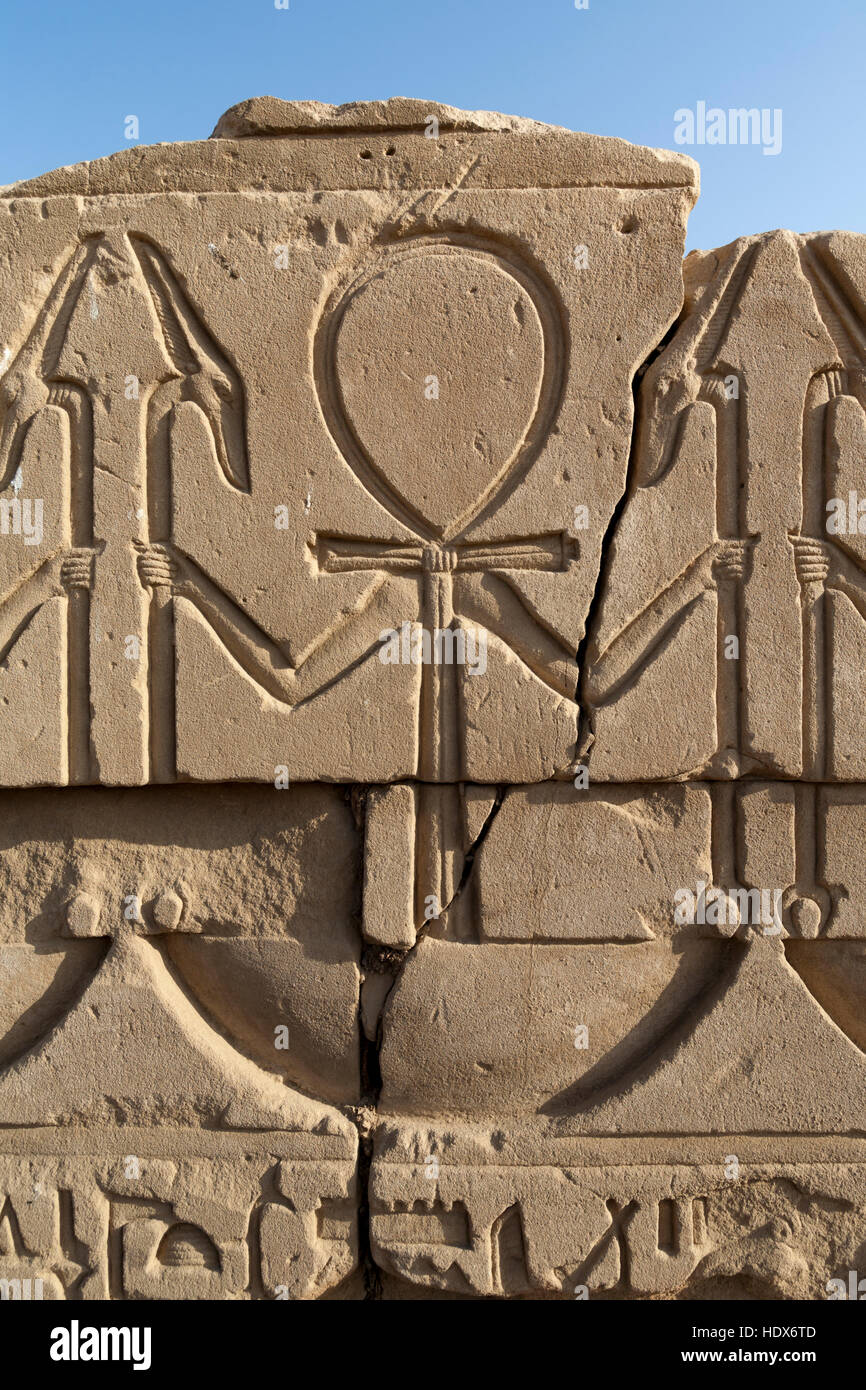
267	427
151	952
729	540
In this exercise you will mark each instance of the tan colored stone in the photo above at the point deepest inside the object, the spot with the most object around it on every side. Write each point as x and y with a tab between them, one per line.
405	888
389	866
153	953
255	521
619	1218
587	1027
748	449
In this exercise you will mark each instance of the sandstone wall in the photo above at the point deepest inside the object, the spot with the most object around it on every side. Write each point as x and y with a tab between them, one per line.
432	707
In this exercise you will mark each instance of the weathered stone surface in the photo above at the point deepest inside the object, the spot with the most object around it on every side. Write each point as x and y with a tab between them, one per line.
242	512
431	801
180	977
649	1220
617	1086
736	564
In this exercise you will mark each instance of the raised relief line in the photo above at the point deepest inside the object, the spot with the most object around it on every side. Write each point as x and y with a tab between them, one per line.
585	730
833	301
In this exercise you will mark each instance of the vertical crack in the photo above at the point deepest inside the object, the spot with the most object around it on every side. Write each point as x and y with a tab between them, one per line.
387	962
585	729
469	857
377	960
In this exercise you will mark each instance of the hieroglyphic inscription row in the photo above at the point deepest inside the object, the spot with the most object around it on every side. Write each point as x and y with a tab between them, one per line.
681	999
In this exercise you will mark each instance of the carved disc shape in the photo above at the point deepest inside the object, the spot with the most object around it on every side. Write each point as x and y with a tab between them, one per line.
439	361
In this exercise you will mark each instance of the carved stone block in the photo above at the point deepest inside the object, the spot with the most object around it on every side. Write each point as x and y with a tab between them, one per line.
431	798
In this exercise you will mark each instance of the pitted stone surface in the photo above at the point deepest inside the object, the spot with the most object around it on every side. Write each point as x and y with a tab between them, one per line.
431	698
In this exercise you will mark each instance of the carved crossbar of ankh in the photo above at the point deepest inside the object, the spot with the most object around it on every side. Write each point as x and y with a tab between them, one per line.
438	746
439	827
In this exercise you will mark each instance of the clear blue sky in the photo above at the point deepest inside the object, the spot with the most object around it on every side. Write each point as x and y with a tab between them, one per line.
73	71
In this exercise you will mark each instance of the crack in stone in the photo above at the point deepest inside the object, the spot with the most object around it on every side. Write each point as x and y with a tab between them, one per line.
585	729
388	961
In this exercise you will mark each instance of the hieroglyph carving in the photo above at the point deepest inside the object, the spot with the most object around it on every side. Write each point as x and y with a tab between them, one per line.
432	673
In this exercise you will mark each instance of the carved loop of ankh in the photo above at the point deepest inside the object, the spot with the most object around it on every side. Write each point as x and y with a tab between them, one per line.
439	369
